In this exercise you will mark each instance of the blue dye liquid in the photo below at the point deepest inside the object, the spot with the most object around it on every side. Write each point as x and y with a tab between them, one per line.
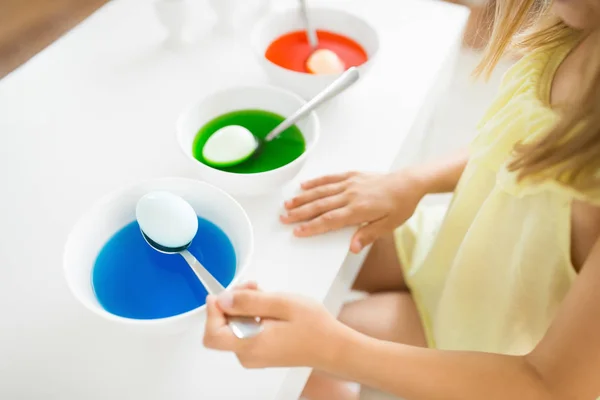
132	280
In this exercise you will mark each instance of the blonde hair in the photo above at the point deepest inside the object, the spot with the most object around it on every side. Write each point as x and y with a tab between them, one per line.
570	152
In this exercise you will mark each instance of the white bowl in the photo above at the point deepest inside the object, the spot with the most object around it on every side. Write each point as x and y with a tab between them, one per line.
267	98
338	21
116	210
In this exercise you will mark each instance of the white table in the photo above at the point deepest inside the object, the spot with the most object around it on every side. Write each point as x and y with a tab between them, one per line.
96	110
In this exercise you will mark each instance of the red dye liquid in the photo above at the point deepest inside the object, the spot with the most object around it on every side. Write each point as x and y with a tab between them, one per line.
291	50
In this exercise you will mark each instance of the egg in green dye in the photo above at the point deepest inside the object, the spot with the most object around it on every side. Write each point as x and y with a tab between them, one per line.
274	154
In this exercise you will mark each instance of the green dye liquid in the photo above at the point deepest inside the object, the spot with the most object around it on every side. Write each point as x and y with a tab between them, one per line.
274	154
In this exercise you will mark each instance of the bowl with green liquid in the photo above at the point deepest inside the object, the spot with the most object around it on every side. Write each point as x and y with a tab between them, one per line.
258	109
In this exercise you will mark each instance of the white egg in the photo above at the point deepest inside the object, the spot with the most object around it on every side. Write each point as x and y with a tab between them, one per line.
324	61
167	219
229	145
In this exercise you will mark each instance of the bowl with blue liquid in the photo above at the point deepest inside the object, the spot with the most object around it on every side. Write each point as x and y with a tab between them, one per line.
114	273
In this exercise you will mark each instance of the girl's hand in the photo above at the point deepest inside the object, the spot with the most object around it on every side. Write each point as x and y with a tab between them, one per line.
296	331
380	203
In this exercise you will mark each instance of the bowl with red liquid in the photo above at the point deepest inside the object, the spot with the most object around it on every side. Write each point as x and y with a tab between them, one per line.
345	40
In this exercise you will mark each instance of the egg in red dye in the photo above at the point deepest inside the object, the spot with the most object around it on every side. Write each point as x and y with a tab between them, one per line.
292	50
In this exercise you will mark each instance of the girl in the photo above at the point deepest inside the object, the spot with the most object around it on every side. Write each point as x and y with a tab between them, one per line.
499	296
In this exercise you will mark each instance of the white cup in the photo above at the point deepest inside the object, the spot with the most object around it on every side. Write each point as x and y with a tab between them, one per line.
116	210
173	15
277	24
226	11
267	98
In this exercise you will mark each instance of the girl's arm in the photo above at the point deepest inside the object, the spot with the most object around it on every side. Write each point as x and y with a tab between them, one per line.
441	175
565	364
374	202
300	332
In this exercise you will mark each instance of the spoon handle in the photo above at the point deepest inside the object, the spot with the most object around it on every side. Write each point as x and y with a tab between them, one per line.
311	33
242	327
208	281
342	83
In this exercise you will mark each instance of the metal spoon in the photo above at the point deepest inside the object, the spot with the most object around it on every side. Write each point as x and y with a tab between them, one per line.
342	83
220	141
311	33
168	224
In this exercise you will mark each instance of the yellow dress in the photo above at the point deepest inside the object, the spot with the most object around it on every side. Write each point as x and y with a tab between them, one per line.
490	272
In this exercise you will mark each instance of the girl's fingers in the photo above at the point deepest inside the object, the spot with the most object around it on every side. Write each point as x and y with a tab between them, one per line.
367	234
217	334
255	303
215	318
330	221
314	209
316	193
326	180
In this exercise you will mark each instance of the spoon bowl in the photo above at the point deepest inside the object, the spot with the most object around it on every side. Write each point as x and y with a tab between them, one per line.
162	249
